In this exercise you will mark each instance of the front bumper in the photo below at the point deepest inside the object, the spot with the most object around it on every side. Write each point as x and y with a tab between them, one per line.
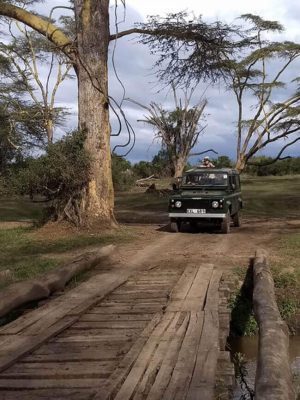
188	215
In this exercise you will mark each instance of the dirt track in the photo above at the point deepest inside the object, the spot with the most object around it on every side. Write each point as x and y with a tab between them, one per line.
224	251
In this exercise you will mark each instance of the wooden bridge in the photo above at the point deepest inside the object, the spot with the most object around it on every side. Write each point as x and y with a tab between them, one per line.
152	334
135	334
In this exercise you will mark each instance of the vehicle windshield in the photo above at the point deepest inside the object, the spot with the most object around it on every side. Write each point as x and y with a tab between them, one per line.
205	179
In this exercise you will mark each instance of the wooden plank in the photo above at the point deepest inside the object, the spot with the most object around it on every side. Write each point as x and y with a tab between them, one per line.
22	345
94	332
83	325
59	370
183	370
164	374
107	390
85	355
140	366
46	394
115	317
184	284
137	309
203	381
193	298
199	286
49	383
212	298
28	319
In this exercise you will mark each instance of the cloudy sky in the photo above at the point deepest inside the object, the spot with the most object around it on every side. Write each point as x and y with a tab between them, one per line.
134	67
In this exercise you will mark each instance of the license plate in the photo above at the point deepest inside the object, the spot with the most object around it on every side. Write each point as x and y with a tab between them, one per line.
196	211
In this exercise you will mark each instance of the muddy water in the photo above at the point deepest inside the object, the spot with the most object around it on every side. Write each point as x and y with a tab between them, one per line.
249	346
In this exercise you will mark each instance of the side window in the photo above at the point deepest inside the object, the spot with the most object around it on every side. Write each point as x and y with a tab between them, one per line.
234	180
237	181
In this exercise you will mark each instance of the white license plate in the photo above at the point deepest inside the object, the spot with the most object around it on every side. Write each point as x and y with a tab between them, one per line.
196	211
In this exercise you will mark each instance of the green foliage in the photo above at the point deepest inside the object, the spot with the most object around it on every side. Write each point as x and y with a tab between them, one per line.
242	322
122	172
59	175
223	162
161	166
143	169
288	308
266	166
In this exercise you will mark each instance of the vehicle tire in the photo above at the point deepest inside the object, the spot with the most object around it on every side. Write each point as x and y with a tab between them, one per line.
225	226
175	226
236	218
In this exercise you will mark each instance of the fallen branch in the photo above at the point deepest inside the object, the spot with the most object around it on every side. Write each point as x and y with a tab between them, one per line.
20	293
273	376
143	181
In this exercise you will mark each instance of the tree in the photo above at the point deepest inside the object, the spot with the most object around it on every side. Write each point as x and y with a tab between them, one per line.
88	54
179	129
274	118
223	162
24	53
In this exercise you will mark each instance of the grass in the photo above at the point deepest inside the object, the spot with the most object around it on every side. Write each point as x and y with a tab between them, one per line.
28	257
285	264
269	196
286	274
19	209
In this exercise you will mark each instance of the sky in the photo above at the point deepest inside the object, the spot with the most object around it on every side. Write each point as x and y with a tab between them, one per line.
134	67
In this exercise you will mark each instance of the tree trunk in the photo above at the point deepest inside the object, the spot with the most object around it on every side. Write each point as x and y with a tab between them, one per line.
49	129
92	27
179	165
240	163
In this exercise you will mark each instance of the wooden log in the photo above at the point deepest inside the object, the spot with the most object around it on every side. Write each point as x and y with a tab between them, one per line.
20	293
273	376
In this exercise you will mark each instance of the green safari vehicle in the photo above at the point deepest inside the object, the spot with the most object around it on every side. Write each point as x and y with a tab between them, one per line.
206	195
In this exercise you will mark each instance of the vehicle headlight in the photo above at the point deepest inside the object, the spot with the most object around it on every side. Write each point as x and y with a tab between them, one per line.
215	204
178	204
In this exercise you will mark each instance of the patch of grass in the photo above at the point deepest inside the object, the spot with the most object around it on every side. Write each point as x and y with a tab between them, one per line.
271	196
137	201
286	275
20	209
242	321
27	257
288	308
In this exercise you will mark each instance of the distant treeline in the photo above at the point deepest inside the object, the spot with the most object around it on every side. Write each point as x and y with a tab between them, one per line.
125	173
49	174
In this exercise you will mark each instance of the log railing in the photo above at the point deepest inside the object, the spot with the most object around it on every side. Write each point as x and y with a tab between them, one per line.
273	375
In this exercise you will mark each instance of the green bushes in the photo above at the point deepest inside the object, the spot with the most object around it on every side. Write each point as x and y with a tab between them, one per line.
57	176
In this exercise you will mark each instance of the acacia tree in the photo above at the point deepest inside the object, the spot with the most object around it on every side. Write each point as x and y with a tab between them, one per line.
24	53
89	54
179	129
276	116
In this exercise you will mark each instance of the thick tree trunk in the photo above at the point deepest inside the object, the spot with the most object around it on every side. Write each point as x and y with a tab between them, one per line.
240	163
92	26
179	165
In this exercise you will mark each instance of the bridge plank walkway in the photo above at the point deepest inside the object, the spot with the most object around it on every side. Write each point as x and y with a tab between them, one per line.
155	336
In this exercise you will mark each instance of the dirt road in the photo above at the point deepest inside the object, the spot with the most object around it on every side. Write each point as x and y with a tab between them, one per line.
207	245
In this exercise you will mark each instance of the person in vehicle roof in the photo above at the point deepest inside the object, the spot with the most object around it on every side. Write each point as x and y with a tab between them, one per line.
206	163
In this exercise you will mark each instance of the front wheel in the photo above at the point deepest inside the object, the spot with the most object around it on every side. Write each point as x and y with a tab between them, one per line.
175	226
225	226
236	218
